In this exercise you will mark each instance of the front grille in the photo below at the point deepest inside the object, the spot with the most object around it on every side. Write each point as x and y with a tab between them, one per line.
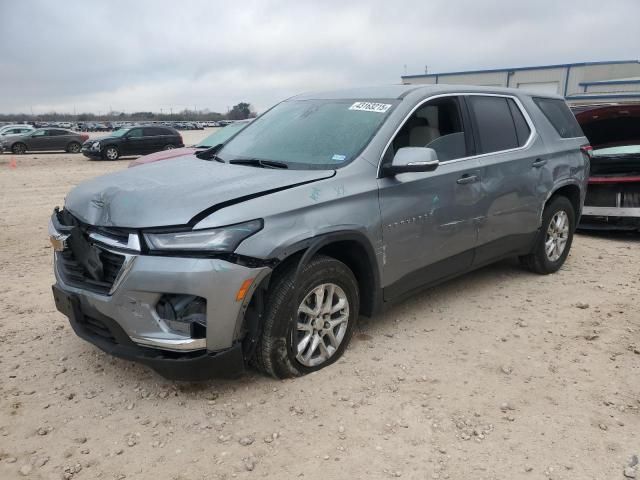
72	261
630	196
74	274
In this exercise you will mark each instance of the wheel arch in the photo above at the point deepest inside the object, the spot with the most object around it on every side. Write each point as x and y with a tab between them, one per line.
350	247
570	190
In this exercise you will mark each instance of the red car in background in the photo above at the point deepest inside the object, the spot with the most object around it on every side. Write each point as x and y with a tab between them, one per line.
613	195
218	137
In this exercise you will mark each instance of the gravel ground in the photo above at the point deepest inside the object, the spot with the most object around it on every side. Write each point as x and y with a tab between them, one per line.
500	374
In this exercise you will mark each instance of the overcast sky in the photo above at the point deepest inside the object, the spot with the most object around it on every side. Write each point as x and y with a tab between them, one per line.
150	55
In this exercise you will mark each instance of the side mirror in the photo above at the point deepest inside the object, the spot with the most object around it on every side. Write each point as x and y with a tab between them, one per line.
412	159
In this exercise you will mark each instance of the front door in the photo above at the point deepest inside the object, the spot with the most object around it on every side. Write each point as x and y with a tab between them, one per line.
430	219
133	143
39	140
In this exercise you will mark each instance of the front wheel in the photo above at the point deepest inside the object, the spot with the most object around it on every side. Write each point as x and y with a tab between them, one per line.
308	324
168	147
111	153
19	148
554	239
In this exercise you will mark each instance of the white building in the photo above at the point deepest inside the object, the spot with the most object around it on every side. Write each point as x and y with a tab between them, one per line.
588	82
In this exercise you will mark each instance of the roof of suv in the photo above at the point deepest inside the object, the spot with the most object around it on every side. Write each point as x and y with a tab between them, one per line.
400	91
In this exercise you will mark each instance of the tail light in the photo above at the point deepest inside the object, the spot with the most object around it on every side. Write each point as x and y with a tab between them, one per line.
84	137
587	150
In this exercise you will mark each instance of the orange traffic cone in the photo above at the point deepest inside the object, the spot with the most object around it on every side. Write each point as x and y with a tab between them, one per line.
13	163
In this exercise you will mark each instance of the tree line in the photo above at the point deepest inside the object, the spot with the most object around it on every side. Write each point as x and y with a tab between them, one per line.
240	111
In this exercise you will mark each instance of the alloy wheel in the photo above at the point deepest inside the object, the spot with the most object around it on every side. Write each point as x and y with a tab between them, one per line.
111	153
323	317
557	235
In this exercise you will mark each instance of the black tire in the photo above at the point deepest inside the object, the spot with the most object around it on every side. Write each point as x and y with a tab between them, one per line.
275	352
74	147
539	261
19	148
168	146
107	155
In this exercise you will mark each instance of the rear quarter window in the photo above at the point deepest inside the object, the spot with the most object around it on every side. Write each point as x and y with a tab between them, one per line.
559	115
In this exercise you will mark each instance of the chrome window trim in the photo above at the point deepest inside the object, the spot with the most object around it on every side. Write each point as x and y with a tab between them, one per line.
133	241
532	135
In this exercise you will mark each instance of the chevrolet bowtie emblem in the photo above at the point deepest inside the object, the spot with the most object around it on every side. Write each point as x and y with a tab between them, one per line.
58	242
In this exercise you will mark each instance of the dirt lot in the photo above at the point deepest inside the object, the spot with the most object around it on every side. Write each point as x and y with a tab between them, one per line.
501	374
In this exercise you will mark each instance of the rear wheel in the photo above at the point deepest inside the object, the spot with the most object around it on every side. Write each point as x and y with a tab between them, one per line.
308	324
111	153
73	147
168	147
554	239
19	148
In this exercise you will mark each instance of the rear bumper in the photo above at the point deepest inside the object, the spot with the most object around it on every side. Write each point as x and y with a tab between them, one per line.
108	335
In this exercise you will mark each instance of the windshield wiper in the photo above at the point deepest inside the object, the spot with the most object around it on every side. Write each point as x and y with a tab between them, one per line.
256	162
210	153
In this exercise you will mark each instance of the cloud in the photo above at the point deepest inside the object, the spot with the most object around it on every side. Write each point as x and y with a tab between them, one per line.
147	55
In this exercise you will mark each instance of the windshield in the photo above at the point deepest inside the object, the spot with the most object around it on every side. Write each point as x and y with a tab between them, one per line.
622	150
309	134
221	135
119	133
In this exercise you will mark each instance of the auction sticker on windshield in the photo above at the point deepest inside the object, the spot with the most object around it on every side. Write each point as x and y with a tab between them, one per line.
370	107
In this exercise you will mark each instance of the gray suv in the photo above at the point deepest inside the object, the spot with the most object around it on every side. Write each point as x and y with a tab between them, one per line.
265	250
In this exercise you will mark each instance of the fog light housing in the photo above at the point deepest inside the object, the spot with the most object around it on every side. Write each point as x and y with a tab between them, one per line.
184	314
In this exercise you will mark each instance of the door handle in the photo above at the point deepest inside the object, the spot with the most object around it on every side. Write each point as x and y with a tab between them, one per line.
466	179
539	163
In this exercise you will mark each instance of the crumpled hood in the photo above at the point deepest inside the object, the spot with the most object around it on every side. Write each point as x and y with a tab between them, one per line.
173	193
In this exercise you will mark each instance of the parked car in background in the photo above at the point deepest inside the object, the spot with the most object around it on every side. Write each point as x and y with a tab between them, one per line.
613	195
328	206
44	139
15	129
218	137
132	141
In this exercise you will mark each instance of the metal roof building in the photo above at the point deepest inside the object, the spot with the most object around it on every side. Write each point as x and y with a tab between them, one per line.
580	83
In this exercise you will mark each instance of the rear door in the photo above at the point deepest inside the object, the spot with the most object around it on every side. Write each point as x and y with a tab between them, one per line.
59	139
155	139
511	156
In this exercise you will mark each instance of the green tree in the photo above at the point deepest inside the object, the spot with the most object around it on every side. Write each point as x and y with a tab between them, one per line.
240	111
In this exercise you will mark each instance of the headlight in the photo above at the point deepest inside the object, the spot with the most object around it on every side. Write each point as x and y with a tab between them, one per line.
224	239
95	146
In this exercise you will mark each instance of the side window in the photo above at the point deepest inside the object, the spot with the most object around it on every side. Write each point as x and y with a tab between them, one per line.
56	133
135	133
522	127
150	131
558	113
40	133
494	124
438	125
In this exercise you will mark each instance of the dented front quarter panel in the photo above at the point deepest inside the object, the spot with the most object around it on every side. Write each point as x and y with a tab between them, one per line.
346	202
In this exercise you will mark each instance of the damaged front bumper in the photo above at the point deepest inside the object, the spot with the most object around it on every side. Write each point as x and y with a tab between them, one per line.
124	319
